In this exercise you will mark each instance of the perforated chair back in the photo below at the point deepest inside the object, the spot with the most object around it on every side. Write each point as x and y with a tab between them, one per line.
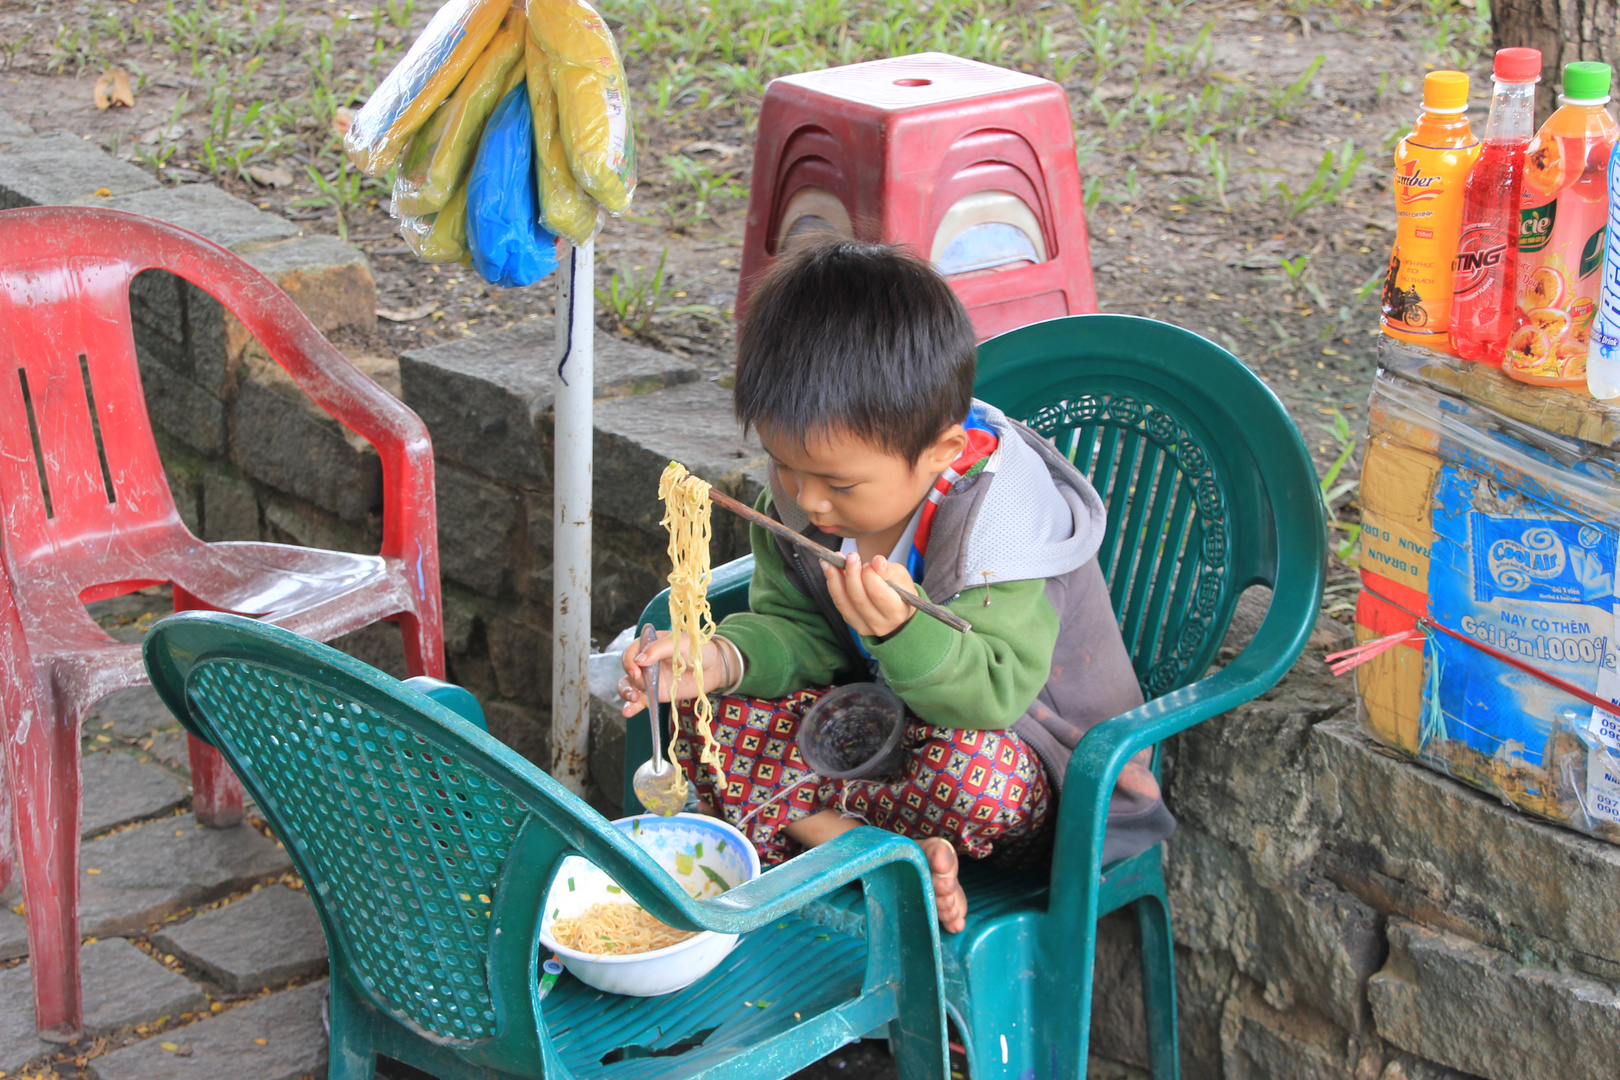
403	839
1175	434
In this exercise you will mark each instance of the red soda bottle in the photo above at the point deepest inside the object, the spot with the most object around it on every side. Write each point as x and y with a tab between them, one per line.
1483	301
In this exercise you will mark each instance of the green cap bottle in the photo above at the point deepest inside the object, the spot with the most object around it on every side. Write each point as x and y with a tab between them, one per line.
1586	82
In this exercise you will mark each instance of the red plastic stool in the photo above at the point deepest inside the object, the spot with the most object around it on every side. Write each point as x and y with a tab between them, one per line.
970	165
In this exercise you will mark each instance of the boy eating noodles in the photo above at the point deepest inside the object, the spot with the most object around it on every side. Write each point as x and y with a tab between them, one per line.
856	367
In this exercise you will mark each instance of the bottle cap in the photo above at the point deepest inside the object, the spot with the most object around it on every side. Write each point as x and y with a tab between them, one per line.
1445	92
1586	81
1518	65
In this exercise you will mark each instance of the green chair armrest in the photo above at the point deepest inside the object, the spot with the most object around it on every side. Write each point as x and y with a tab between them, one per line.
816	873
1095	767
819	871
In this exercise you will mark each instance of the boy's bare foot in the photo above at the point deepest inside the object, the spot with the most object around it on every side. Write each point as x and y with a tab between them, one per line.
949	899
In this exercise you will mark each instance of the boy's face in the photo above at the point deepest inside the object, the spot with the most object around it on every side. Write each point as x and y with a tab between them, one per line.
852	488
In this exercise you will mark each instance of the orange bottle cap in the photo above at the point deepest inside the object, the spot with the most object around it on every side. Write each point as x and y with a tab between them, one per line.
1445	92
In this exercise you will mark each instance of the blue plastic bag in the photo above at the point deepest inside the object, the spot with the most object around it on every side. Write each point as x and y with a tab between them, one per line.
509	246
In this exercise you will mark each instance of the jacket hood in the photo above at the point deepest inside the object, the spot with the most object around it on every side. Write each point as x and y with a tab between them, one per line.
1027	514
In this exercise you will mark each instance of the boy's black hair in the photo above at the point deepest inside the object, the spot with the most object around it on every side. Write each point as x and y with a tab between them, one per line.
863	338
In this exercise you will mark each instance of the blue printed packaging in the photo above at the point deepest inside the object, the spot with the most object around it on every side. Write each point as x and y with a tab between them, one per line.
1509	539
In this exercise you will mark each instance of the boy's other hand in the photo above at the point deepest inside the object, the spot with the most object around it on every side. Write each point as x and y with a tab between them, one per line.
863	598
633	686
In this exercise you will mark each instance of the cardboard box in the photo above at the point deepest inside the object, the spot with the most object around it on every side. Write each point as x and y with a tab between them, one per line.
1506	536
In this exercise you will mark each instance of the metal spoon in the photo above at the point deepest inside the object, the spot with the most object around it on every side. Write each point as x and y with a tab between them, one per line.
659	785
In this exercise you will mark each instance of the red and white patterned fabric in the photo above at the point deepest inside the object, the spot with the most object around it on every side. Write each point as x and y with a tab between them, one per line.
984	791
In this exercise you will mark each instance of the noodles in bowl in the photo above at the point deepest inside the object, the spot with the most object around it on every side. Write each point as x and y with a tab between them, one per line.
609	942
616	929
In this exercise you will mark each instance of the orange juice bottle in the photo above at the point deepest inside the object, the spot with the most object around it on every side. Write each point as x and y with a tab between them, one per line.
1431	168
1563	218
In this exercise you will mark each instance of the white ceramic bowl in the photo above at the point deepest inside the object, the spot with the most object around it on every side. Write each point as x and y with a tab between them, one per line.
674	843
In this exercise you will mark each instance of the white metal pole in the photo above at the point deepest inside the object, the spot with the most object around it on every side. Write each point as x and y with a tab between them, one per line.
572	379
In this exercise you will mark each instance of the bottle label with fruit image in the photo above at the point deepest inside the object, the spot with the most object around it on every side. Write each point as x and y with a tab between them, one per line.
1563	223
1560	253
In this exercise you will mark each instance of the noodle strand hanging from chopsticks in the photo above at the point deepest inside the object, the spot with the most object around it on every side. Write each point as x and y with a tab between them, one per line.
686	516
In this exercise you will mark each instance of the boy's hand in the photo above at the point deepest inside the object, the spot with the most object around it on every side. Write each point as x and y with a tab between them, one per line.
633	687
867	604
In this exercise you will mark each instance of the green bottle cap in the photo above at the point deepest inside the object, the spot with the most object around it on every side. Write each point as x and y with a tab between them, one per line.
1586	80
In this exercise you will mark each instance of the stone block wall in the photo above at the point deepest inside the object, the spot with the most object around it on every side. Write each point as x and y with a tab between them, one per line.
1343	914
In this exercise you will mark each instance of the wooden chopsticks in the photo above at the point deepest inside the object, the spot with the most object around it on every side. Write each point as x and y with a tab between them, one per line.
827	555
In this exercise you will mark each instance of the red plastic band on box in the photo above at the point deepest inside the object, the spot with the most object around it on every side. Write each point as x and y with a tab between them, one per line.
1351	658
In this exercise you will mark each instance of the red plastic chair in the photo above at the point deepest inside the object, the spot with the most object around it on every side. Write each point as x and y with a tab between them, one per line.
87	515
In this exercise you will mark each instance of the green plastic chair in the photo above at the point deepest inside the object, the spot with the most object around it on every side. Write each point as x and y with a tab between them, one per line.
1209	490
428	847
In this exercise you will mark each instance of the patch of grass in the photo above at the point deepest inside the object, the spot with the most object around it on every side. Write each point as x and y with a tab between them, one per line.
1333	490
76	47
1188	61
9	48
159	155
1282	103
1455	35
1212	156
634	301
698	64
224	46
696	190
1334	175
345	190
732	48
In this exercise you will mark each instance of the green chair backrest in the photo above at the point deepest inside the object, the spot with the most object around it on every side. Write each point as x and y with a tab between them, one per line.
1173	432
403	840
400	814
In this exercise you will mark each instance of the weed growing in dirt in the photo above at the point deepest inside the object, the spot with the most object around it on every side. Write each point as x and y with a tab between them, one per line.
1333	490
1338	170
696	191
633	302
10	47
344	190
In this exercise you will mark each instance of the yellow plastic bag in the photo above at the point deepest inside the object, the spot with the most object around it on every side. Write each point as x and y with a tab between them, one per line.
441	237
431	70
593	98
441	152
565	209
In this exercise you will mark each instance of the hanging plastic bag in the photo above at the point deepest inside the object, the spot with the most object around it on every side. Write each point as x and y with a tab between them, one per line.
593	98
564	206
509	246
440	237
434	66
441	151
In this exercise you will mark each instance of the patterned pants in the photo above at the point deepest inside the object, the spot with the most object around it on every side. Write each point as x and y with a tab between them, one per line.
984	791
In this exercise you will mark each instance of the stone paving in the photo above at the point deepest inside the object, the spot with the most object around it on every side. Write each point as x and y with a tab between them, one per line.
202	957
